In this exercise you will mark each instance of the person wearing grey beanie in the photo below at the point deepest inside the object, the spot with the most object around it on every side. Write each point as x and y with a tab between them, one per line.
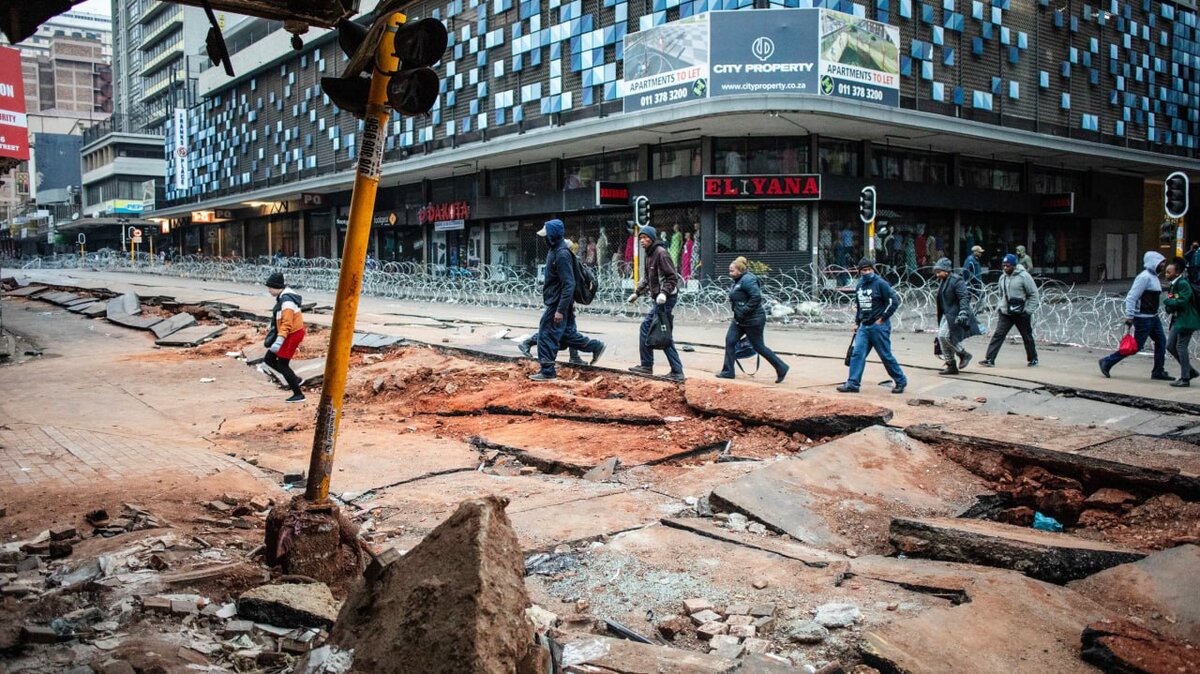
956	320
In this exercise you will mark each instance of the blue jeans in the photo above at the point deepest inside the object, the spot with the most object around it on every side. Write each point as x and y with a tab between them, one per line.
647	353
554	336
878	337
1150	327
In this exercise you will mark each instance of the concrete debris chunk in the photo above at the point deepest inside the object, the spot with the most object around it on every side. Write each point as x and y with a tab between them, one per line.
711	629
172	325
592	654
696	605
455	603
1122	646
289	605
804	632
837	614
706	616
602	472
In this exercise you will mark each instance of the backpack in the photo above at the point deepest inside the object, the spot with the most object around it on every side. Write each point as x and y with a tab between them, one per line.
585	282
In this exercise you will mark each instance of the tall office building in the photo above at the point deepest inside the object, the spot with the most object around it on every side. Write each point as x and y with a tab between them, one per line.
158	50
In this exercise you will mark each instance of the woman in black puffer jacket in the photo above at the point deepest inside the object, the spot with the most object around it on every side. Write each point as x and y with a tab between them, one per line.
749	319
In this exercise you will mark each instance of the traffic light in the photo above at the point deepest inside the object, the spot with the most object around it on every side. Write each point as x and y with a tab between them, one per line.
413	88
641	211
1175	195
866	204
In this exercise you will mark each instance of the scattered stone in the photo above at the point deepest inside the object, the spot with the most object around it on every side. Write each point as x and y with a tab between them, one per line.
219	506
742	631
235	627
834	667
65	533
41	634
837	614
587	653
739	620
455	603
737	609
760	584
673	627
706	616
756	528
761	610
258	503
738	522
711	629
804	632
602	472
694	606
725	646
380	562
184	606
1109	499
756	645
541	618
289	605
764	623
60	549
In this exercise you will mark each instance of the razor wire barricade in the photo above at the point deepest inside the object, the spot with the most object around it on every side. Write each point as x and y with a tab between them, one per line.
825	296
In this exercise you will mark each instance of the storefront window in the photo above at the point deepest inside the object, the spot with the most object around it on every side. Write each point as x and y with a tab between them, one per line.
907	241
1061	248
256	239
998	234
760	229
677	159
909	165
404	244
988	175
520	180
504	249
285	237
1056	182
776	155
581	172
839	157
317	238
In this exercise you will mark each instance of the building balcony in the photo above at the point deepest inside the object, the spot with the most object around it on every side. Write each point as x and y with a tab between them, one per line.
172	53
152	37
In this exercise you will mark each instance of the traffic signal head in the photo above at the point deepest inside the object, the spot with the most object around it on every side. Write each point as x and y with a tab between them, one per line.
866	204
1175	195
641	211
413	87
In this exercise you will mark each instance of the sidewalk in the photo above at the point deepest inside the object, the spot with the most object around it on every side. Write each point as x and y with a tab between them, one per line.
815	353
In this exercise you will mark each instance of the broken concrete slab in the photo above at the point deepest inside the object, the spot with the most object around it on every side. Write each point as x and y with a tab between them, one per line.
1122	646
1162	584
173	324
1004	622
58	298
135	322
1055	558
79	307
854	485
193	336
289	605
793	411
810	556
94	310
1098	457
1082	412
27	291
254	354
372	341
455	603
543	527
127	305
604	471
591	654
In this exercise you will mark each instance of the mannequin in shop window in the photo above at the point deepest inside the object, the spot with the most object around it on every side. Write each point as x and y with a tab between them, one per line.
686	266
733	162
676	246
630	242
602	246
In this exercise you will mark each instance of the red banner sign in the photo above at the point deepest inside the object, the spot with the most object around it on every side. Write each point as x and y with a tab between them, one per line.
805	187
458	210
14	129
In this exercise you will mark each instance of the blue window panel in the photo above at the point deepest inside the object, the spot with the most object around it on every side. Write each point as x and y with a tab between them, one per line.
610	91
518	62
1120	129
1002	4
1014	54
659	6
1073	55
1014	90
948	56
948	5
1058	18
938	92
577	62
997	16
588	79
926	13
466	125
481	90
1120	83
905	66
996	84
1087	59
906	9
481	59
953	21
927	70
958	96
1094	45
535	57
1005	35
1065	101
977	10
1066	69
499	117
977	46
451	98
986	31
556	50
939	35
587	95
474	107
1044	79
1093	77
518	114
981	100
622	13
1074	24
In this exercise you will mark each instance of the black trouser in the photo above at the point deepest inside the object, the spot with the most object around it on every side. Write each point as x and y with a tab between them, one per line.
754	333
283	367
1004	323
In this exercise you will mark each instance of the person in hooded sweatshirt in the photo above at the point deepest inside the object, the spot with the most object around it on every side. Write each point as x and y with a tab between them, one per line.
1018	301
662	283
557	327
1141	313
875	301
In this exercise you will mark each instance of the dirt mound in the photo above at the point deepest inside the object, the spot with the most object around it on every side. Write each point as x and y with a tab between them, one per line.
455	603
313	544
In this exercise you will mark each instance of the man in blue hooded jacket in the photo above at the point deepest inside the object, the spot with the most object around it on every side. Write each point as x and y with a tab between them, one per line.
557	327
876	301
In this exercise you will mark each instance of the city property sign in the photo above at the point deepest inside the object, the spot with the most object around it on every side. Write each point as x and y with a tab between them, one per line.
804	187
14	126
612	194
788	51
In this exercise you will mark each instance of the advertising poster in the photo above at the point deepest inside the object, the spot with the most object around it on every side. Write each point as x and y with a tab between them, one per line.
666	64
860	59
179	150
764	51
14	128
57	167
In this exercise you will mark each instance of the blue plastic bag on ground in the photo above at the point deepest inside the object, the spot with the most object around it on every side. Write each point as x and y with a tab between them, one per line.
1046	523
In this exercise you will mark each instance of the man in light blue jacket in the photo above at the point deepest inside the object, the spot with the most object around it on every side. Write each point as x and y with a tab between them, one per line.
1141	313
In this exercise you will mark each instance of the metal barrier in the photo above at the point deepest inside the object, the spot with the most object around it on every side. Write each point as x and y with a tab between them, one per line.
1067	315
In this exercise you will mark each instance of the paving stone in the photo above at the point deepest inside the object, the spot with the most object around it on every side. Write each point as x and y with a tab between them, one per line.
27	291
94	310
837	614
755	645
711	629
184	606
742	631
373	341
1052	557
134	322
236	627
696	605
760	610
192	336
602	472
705	616
803	632
739	620
173	324
739	608
80	307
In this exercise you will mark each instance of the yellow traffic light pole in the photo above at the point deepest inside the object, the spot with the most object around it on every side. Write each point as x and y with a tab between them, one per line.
345	310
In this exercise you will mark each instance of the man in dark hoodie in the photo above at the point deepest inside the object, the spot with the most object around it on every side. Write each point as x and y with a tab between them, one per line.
956	321
662	283
557	327
876	302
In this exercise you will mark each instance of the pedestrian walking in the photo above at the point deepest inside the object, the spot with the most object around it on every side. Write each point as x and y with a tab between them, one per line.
956	321
875	302
526	345
662	283
972	272
749	319
557	326
1024	260
1184	308
1018	302
285	334
1141	313
1192	257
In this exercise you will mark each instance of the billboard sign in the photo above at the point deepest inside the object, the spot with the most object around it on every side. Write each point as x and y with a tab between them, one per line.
764	51
666	64
56	160
179	150
14	128
860	59
127	207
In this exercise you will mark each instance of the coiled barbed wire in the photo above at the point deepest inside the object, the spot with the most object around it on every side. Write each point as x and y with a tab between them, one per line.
815	296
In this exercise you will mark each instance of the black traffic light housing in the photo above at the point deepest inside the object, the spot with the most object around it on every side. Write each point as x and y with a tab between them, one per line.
413	88
1175	195
641	211
866	204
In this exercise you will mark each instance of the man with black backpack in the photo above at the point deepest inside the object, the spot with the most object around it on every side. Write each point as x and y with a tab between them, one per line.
560	291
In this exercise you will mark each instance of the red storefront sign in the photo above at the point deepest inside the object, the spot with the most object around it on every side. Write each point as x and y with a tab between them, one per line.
14	129
806	187
612	194
458	210
1058	204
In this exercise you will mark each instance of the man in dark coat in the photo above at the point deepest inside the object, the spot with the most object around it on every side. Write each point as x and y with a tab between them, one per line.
557	327
956	321
662	283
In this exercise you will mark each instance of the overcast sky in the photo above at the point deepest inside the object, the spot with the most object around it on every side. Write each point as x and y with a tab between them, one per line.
96	7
